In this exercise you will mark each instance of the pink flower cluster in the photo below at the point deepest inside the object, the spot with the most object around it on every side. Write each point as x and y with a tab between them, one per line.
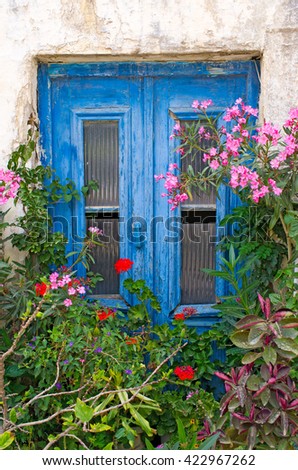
216	159
72	286
201	105
95	230
239	112
239	157
175	191
242	177
9	185
233	141
267	134
293	120
290	143
177	130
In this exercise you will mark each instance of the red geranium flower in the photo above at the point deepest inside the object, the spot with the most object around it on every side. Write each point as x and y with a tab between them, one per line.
123	265
40	289
105	313
179	316
184	372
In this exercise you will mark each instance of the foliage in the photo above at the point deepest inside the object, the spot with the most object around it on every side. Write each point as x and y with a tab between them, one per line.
259	409
35	235
252	239
91	380
76	374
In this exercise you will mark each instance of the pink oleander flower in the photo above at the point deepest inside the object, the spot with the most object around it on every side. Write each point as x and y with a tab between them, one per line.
212	151
67	302
173	166
159	177
238	112
277	191
53	277
233	144
81	290
66	279
95	230
291	145
214	164
203	105
9	185
293	119
267	133
224	158
71	291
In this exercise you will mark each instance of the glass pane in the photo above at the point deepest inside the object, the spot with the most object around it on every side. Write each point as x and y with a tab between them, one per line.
105	256
198	251
101	144
196	161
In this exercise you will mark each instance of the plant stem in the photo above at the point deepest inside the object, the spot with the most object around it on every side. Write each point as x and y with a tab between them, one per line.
3	396
288	238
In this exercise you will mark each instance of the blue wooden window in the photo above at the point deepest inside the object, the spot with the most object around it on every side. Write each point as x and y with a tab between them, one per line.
112	121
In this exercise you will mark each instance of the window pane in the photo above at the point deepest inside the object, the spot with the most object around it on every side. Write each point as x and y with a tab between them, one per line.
102	161
198	247
198	251
105	256
101	147
196	161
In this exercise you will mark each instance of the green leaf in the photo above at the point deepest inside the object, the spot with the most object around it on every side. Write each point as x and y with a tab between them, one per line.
123	396
15	371
13	416
149	446
265	396
250	357
131	433
287	344
181	431
141	420
269	355
240	339
254	336
275	216
83	412
209	442
109	446
232	257
99	427
248	321
251	437
254	382
6	439
104	403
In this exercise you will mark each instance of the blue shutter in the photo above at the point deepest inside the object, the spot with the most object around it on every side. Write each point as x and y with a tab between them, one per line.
138	96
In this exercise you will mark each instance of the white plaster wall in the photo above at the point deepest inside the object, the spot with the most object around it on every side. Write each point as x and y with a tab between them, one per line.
70	30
